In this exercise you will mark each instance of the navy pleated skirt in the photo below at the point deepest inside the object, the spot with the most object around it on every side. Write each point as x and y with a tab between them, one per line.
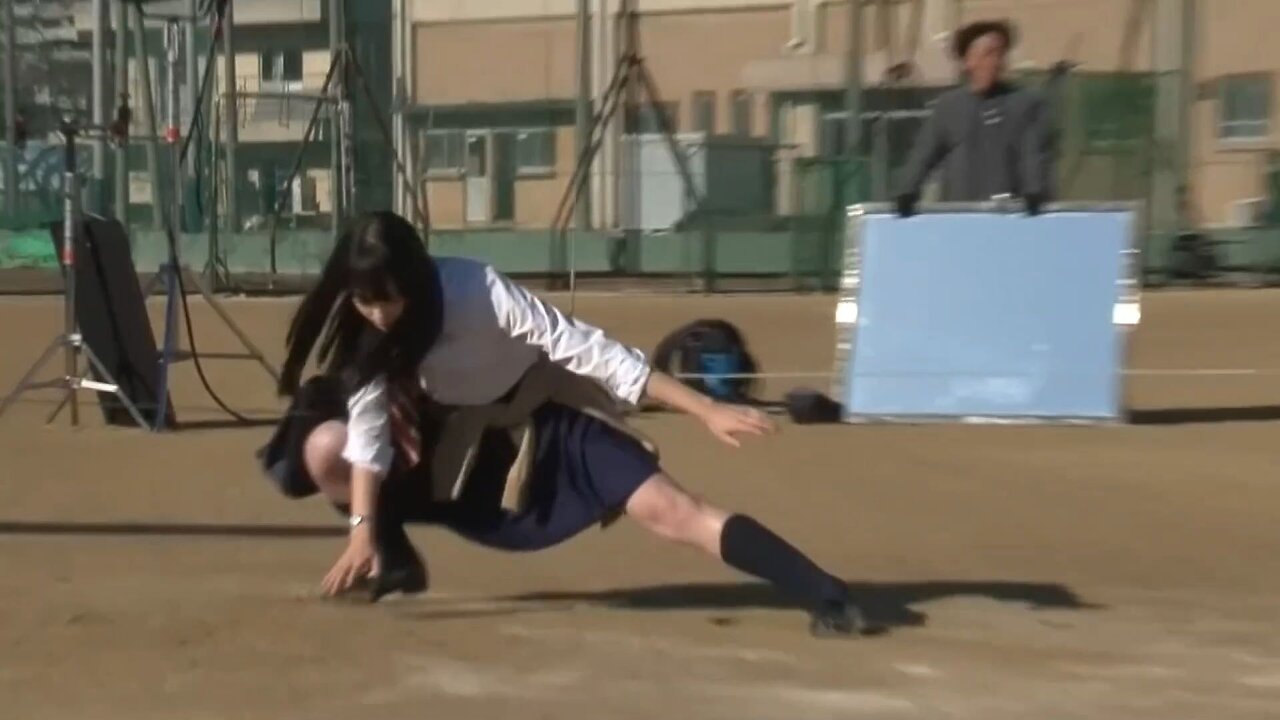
583	473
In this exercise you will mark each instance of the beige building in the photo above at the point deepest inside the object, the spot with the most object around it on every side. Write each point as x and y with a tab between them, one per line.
492	88
489	89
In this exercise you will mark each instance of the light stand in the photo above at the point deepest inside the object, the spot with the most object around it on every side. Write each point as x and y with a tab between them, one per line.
336	93
346	129
170	273
630	70
70	340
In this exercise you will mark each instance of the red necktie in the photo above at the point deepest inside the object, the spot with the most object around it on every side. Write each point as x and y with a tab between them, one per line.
403	411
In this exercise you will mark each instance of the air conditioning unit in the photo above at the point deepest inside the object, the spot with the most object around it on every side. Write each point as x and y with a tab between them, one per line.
1247	212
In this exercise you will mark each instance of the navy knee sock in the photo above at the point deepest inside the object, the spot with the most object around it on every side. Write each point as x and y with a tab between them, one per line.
754	549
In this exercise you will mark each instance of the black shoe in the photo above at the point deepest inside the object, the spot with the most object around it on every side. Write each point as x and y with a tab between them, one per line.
403	569
840	619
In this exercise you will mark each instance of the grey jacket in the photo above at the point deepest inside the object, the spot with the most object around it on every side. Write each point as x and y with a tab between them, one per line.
987	145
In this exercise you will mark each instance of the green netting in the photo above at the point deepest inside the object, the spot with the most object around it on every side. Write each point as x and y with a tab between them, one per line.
27	249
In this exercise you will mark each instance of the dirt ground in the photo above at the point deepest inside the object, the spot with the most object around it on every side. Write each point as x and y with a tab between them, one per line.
1027	572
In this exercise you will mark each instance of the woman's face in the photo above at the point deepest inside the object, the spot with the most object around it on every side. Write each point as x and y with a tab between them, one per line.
382	314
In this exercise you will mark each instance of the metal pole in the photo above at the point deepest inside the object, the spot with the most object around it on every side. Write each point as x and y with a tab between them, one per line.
606	53
398	188
347	140
170	272
880	158
627	166
100	102
1187	68
336	174
583	119
415	193
69	222
192	66
231	116
10	111
173	133
211	263
143	63
853	81
120	19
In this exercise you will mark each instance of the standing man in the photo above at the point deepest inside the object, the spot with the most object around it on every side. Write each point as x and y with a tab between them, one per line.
991	137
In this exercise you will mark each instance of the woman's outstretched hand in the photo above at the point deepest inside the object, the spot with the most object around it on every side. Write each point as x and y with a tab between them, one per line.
727	422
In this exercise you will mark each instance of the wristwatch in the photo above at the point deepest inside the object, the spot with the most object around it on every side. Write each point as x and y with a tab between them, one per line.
354	521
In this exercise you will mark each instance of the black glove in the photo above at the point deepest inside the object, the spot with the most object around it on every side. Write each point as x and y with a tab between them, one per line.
1033	201
907	204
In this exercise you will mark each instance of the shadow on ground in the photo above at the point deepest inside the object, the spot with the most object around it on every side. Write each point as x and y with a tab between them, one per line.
47	527
1189	416
886	605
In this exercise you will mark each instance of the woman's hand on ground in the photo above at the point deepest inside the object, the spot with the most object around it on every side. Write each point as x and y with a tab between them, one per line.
357	563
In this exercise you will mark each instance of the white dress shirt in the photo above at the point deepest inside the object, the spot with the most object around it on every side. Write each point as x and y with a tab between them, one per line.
493	331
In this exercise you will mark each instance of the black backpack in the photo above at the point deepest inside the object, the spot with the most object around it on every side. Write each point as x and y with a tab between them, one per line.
716	351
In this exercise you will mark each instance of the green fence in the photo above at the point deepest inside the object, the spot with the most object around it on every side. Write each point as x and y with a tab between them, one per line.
799	254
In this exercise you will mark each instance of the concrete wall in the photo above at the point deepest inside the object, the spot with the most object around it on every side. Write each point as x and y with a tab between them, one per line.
456	63
1234	36
708	51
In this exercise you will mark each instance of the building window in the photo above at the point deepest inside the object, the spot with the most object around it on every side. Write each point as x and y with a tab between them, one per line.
443	152
280	66
1244	107
832	133
535	151
704	112
741	109
644	120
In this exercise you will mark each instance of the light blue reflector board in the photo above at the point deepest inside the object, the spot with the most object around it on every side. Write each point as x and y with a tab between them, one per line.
977	315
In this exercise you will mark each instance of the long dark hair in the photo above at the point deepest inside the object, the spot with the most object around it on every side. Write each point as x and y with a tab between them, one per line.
379	257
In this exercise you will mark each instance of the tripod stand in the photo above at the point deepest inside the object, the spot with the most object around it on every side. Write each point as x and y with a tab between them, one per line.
629	72
170	273
336	92
70	341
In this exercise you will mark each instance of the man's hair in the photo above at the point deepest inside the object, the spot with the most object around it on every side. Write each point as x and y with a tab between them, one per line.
966	35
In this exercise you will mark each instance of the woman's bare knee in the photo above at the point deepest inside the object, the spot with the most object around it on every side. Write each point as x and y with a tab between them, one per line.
322	455
671	512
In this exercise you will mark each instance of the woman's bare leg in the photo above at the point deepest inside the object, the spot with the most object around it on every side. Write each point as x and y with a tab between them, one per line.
322	456
671	512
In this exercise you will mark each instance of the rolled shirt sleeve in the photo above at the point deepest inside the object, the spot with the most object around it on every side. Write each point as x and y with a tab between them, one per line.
578	347
369	429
